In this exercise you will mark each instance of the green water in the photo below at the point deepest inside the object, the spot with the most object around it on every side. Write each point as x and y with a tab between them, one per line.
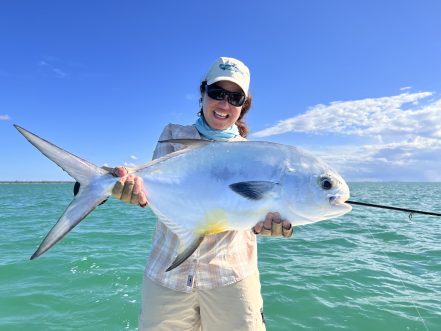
368	270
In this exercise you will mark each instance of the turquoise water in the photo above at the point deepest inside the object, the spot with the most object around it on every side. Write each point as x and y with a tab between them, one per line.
368	270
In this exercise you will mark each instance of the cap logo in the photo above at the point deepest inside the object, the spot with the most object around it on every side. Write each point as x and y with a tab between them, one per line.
230	67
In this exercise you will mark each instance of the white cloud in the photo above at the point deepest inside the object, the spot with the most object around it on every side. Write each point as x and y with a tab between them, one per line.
364	117
417	160
133	157
4	117
53	68
400	136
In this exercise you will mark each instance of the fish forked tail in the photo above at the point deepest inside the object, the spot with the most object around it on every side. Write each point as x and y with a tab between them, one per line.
96	186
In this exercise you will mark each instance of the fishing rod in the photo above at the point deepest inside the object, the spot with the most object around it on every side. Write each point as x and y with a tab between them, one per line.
410	211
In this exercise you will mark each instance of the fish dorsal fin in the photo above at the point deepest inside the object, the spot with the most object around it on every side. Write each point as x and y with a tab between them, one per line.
253	190
188	142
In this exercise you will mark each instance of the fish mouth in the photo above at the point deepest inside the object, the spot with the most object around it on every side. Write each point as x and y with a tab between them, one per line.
338	200
339	206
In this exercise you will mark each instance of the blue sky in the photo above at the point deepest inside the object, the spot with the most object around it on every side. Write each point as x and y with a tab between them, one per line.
356	82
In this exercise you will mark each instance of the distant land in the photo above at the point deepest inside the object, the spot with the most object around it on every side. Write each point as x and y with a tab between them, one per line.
35	181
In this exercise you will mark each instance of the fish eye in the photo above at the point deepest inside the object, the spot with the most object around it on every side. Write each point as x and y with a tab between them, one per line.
326	183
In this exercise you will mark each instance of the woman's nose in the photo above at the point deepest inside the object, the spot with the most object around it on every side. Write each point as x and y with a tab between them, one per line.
224	101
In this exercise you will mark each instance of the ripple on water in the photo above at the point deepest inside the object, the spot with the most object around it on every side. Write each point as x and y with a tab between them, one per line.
367	270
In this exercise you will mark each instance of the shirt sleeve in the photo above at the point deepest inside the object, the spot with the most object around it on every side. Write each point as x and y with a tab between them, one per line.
174	131
164	148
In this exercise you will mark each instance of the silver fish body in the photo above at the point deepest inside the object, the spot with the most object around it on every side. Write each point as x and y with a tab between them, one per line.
232	185
209	187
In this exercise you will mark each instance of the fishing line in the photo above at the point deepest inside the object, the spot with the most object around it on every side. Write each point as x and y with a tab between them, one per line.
410	211
401	281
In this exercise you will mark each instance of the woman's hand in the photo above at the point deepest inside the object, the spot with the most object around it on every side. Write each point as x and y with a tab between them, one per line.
129	188
274	225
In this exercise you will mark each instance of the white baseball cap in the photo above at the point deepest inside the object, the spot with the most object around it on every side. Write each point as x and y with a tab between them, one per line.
233	70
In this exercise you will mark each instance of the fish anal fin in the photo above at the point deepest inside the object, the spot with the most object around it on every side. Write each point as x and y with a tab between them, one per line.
253	190
214	222
186	253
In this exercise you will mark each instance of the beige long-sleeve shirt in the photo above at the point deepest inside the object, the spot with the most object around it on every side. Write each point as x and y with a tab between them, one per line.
220	260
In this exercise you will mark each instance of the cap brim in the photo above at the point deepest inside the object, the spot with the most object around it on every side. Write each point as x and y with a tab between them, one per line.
230	79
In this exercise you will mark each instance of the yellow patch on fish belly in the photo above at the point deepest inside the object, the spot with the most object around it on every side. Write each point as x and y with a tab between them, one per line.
215	221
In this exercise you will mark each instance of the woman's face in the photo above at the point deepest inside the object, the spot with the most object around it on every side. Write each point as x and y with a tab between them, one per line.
219	114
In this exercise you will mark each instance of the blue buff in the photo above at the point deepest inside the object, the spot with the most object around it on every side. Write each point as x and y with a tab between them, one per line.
213	134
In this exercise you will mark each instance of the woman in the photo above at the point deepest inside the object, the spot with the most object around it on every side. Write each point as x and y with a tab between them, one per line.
218	287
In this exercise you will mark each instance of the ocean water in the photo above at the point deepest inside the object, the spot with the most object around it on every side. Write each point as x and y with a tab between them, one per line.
368	270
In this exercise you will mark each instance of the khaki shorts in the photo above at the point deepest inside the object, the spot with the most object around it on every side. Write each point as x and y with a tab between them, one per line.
233	307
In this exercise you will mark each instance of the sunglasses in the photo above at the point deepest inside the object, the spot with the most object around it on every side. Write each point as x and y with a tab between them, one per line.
236	99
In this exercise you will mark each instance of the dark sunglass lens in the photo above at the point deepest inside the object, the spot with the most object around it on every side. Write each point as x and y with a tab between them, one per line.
236	99
216	93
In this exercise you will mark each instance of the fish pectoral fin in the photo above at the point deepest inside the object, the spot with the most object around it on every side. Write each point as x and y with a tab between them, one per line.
253	190
186	253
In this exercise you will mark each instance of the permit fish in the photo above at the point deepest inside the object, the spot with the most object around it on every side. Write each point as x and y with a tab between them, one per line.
209	187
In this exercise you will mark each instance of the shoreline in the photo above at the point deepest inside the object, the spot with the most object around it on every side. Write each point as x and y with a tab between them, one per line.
35	181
